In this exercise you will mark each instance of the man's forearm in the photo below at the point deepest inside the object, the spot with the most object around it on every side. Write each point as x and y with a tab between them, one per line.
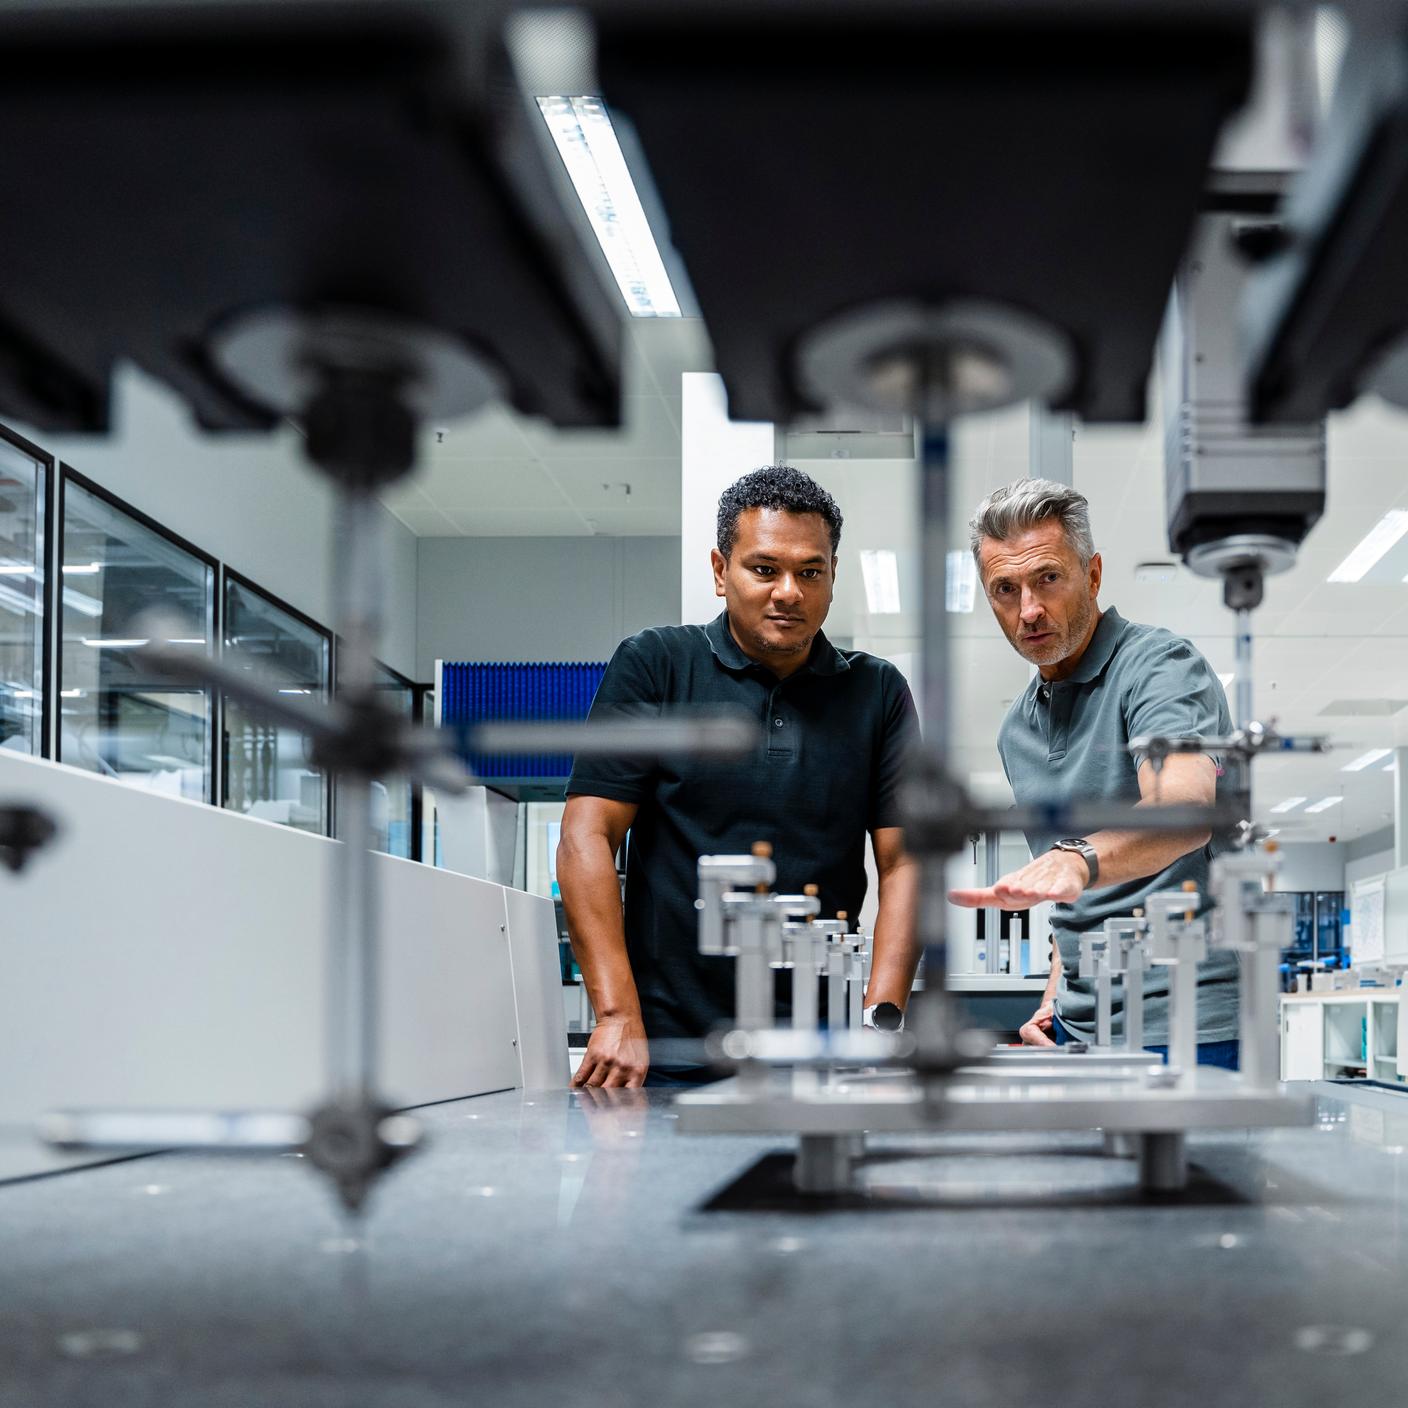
1136	855
895	955
1054	980
591	900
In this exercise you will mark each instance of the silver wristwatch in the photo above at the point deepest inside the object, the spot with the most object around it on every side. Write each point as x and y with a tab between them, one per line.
1082	848
883	1016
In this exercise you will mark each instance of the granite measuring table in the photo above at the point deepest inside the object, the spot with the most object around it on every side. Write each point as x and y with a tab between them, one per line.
555	1248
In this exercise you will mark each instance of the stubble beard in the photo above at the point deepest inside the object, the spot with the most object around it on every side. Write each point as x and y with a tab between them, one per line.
1065	644
769	647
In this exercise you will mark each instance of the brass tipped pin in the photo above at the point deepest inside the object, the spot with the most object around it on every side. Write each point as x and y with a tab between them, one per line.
763	851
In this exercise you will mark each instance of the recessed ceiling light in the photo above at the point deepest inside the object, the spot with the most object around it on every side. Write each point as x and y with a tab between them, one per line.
581	129
1156	572
1374	545
880	570
82	569
1324	804
1289	805
113	642
16	569
1366	760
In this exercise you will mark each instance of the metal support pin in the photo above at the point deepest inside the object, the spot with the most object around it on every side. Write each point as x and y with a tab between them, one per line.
806	992
1183	1018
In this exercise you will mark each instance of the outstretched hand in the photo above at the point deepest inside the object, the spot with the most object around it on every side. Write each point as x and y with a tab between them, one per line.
1056	875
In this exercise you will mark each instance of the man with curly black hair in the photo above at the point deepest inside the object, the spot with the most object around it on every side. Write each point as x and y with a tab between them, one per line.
838	726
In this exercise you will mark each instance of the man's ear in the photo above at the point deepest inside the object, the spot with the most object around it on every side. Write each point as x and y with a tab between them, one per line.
834	562
1095	568
720	566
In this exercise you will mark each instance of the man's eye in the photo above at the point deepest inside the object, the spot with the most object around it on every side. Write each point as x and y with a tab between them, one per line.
811	573
1002	589
1051	577
763	571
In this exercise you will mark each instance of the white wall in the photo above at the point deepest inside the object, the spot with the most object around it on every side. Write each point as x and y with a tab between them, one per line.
249	500
541	598
142	969
1379	863
714	452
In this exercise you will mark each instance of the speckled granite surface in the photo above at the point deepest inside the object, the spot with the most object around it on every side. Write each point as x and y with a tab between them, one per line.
545	1251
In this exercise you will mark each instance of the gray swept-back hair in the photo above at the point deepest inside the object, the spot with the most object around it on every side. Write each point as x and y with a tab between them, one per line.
1023	504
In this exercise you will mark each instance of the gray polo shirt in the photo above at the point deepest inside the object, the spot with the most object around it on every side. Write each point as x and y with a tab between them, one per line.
1066	741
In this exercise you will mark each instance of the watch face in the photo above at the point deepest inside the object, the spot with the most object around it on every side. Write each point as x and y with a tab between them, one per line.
887	1017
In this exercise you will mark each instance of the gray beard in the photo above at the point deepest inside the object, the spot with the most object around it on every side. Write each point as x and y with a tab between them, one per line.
1060	649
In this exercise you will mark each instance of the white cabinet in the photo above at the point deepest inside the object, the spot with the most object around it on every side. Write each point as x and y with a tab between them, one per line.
1325	1035
1302	1041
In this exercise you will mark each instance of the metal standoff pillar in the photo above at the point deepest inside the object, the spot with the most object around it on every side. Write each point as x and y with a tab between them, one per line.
1178	940
1255	923
1095	964
1124	951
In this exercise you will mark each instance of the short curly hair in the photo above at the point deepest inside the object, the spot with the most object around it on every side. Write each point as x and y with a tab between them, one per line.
776	486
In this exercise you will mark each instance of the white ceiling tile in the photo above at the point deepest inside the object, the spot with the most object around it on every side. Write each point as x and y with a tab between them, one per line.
593	484
635	523
427	522
520	523
456	485
647	432
494	431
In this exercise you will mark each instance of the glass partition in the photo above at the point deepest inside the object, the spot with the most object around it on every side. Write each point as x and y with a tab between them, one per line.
117	717
268	772
22	489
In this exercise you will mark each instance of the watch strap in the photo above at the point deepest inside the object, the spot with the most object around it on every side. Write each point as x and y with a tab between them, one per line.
1086	851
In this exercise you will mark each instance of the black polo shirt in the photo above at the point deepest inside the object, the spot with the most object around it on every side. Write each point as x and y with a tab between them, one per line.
829	770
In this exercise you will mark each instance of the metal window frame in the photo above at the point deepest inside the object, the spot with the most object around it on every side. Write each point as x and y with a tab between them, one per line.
44	519
231	576
417	717
422	694
66	476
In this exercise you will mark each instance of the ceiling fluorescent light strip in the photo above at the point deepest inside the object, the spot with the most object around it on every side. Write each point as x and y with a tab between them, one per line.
1324	804
581	129
880	571
1289	805
1366	760
962	582
1373	546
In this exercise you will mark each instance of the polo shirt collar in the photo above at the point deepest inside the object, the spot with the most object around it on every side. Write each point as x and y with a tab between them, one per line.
1101	648
825	659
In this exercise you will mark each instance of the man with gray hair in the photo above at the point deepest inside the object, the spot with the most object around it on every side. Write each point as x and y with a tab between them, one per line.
1100	681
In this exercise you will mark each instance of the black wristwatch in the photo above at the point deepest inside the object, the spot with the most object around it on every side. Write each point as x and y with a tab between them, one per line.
1082	848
